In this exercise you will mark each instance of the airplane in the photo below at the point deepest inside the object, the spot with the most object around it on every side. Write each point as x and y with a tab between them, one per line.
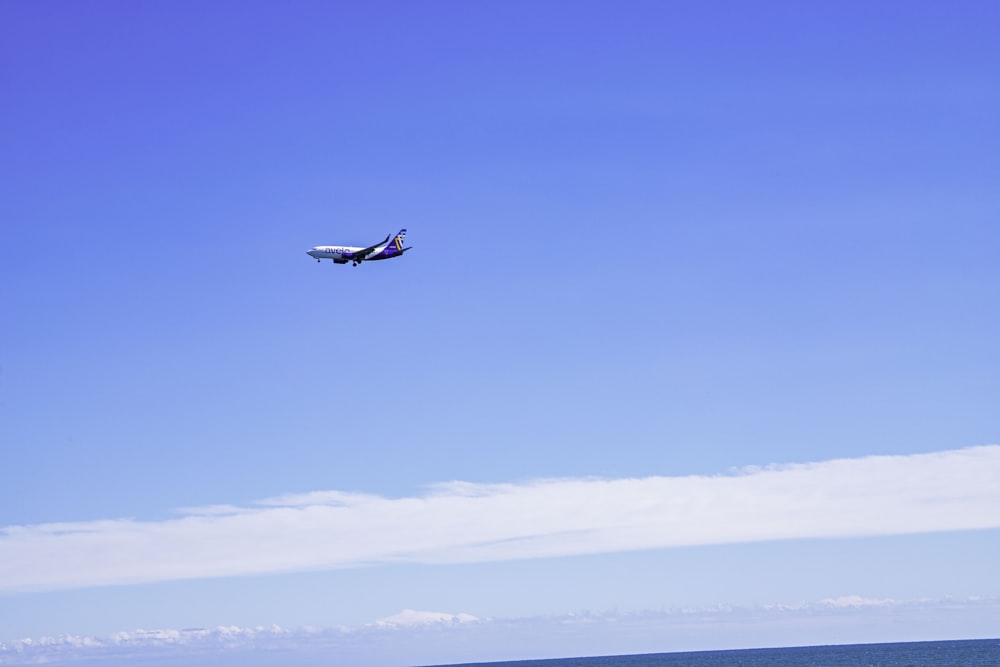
344	254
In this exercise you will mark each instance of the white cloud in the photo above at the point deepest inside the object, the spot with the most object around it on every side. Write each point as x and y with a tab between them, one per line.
412	618
856	602
462	522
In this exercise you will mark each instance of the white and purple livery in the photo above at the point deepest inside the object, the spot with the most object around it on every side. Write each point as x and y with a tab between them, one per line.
344	254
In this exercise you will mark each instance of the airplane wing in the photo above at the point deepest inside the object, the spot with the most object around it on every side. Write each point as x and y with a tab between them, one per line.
361	254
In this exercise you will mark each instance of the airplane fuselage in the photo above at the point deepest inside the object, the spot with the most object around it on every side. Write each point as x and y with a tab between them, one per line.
339	254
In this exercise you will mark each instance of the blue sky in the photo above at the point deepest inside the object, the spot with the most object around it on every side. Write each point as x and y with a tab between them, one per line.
652	241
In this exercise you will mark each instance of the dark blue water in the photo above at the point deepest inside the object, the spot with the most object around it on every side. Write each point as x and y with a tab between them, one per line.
974	653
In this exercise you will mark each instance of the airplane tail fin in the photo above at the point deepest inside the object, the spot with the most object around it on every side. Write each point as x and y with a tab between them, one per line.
398	240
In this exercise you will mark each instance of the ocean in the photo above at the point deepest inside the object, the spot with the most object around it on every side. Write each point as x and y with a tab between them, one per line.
971	653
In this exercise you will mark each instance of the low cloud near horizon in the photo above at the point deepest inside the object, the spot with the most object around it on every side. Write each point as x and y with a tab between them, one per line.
426	637
461	522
